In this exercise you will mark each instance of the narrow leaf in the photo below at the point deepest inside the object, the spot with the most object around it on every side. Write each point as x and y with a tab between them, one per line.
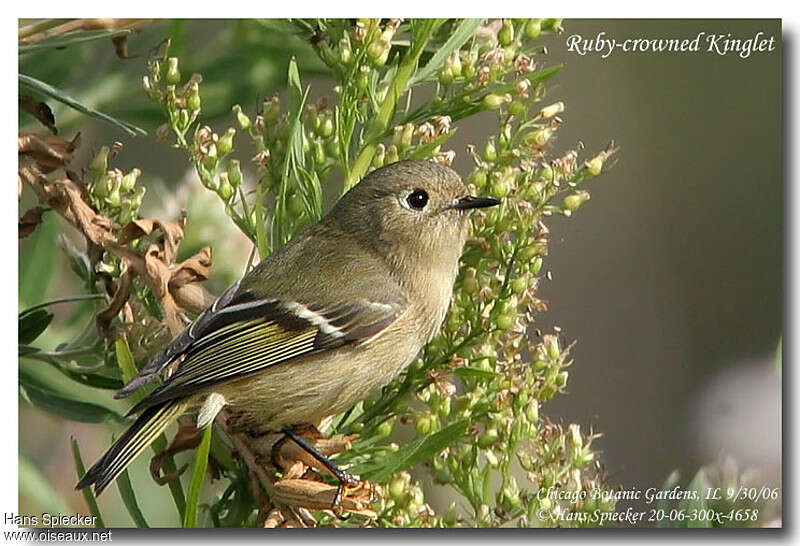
36	261
31	325
468	371
129	498
198	477
127	366
458	38
48	399
699	485
663	504
411	454
88	494
61	96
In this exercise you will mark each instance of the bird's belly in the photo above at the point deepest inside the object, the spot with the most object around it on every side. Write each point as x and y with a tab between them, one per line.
309	389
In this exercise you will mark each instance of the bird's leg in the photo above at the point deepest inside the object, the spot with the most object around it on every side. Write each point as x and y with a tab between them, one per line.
344	477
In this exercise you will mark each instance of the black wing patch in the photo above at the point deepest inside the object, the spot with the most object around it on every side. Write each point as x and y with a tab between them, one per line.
244	338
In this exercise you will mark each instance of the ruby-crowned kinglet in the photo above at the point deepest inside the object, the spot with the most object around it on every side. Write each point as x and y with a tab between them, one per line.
320	323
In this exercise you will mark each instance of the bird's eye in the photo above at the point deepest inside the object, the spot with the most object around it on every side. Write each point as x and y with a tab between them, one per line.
417	199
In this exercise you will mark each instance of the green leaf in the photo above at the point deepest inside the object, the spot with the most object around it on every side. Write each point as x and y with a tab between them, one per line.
87	491
425	151
47	398
127	366
37	261
464	32
48	90
37	487
663	504
31	325
699	485
411	454
198	477
129	498
468	371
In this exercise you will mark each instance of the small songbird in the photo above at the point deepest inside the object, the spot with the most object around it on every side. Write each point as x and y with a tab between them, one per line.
320	323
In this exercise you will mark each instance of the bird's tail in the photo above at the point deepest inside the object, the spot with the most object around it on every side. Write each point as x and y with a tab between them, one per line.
147	427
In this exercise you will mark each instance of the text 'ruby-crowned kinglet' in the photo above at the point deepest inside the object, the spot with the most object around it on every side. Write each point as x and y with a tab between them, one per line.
319	324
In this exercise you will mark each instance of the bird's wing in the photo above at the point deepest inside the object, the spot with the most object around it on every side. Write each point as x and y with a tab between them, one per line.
242	338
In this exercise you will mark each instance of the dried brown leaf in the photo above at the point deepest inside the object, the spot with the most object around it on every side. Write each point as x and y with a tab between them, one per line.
50	152
29	221
105	316
135	229
194	269
320	496
40	111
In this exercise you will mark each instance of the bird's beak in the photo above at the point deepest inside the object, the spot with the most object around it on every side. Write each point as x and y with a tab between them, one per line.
472	202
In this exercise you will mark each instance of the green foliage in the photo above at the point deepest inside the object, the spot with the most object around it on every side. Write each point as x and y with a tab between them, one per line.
469	409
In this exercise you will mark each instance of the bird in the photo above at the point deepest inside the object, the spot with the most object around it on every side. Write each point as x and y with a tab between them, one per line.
316	326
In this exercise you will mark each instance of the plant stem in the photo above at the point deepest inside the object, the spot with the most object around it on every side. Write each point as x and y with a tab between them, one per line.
62	300
381	121
35	28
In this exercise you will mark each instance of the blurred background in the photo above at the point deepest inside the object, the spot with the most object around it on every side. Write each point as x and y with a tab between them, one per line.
669	278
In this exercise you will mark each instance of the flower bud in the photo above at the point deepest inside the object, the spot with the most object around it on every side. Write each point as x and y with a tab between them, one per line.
326	127
241	118
574	437
500	188
493	101
173	76
225	142
595	165
272	108
552	110
532	411
99	163
519	285
489	437
193	97
210	159
384	429
506	33
517	108
225	189
470	283
397	487
446	75
425	424
455	63
345	52
551	344
362	78
490	152
319	152
379	157
312	117
392	155
536	265
234	171
407	136
129	180
533	28
573	201
539	138
553	24
504	321
102	186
